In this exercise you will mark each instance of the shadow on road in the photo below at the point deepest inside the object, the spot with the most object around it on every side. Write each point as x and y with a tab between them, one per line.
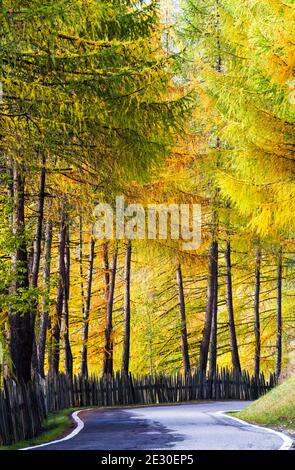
118	430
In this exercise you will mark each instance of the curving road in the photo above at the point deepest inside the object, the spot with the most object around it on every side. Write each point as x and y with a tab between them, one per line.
187	427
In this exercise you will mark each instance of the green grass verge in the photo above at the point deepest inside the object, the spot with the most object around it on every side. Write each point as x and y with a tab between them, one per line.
55	426
276	409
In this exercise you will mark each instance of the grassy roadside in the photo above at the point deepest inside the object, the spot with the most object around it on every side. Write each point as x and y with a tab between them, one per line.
56	425
276	409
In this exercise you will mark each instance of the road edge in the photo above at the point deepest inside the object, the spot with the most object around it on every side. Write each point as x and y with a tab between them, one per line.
287	441
79	426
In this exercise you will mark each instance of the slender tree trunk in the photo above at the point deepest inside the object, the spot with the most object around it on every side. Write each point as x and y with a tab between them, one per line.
279	315
5	289
257	314
38	234
44	323
209	340
182	314
126	340
107	276
36	255
108	343
204	350
21	318
85	331
81	264
211	333
68	357
150	339
56	321
213	338
230	310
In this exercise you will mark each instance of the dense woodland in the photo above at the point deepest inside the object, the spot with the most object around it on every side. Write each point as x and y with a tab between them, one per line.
162	102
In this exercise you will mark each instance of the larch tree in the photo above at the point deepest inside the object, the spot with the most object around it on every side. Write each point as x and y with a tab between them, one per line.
99	91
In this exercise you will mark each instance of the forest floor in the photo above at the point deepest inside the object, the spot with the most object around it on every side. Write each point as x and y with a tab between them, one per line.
275	410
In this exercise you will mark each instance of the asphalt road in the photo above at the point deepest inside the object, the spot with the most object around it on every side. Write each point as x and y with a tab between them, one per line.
187	427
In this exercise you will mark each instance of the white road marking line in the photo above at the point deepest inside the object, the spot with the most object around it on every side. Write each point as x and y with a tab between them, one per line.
78	428
287	441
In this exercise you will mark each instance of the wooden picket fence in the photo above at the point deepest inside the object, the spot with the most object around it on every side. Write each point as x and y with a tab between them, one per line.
24	407
22	411
119	390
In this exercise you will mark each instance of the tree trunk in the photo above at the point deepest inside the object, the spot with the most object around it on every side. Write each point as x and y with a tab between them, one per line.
279	315
36	255
85	331
204	350
45	301
126	340
81	264
38	234
213	338
110	288
68	357
257	314
182	314
20	317
230	310
210	334
56	321
107	276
